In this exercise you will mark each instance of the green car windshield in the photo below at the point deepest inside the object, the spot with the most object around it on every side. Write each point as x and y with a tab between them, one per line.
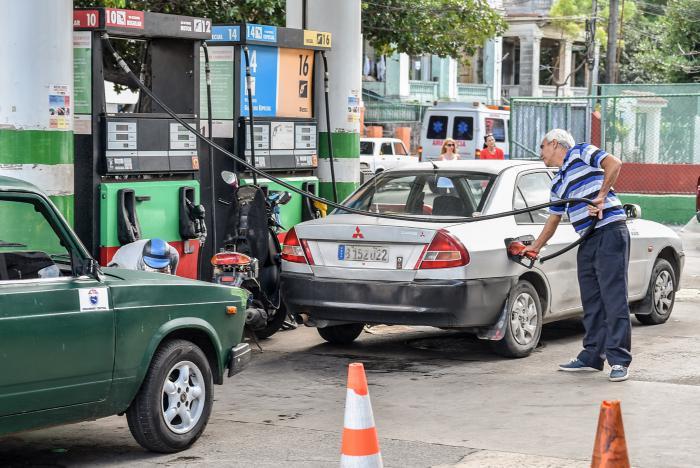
453	194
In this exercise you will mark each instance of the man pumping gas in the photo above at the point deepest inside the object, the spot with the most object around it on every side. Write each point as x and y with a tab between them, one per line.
147	255
586	171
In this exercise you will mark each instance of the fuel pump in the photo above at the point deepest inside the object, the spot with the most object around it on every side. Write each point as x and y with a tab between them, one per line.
137	172
285	117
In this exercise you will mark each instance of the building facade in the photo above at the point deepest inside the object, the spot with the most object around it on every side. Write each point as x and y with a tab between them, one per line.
533	58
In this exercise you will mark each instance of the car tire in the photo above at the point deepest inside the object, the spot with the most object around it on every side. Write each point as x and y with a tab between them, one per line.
657	305
523	322
341	334
165	390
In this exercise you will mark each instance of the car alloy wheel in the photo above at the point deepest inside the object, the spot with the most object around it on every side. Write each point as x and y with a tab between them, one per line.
663	292
183	397
523	319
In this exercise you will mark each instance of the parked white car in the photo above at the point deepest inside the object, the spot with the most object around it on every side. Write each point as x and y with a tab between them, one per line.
380	154
346	270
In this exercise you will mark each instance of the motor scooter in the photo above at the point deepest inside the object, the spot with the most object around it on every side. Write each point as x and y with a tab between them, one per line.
251	254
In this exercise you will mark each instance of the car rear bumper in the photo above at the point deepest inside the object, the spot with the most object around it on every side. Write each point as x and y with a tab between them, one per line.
437	303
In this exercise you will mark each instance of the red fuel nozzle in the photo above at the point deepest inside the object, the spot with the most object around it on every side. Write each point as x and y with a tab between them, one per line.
517	247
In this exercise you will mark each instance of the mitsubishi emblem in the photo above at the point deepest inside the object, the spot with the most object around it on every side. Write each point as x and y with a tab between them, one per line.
358	234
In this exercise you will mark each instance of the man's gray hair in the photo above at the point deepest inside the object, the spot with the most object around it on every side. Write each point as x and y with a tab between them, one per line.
563	137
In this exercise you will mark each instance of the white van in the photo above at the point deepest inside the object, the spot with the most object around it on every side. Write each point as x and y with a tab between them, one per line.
466	123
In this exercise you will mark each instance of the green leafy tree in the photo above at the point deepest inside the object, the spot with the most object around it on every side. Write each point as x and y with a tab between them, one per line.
442	27
571	16
682	40
642	56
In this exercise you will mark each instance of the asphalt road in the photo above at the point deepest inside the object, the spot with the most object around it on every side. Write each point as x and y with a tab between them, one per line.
440	398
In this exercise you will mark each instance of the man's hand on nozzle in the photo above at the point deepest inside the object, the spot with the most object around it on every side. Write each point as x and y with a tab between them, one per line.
597	210
530	248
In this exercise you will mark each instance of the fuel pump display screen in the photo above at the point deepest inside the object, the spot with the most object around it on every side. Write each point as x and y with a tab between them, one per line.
282	144
148	145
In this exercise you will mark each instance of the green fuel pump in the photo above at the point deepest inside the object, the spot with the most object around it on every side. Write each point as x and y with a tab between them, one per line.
137	173
284	135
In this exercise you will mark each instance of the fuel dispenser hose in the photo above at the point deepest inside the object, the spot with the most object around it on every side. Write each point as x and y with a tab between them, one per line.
251	167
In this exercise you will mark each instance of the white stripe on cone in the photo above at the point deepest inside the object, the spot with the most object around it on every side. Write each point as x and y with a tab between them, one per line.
369	461
358	411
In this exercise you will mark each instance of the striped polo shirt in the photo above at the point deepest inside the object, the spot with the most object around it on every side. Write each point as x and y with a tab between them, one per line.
581	176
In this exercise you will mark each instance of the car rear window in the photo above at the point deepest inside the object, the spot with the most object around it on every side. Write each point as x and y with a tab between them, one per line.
463	128
437	127
424	193
367	147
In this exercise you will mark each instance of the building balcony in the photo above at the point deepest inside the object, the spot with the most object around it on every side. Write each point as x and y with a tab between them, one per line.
468	92
423	91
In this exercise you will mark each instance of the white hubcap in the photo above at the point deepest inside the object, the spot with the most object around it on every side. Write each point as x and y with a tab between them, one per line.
523	319
183	397
663	292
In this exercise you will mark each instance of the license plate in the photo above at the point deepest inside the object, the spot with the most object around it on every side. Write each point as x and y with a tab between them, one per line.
363	253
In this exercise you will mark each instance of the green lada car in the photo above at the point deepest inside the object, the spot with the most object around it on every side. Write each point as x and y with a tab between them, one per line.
79	343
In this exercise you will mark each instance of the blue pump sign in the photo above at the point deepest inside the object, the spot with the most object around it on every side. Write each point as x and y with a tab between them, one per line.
225	34
260	32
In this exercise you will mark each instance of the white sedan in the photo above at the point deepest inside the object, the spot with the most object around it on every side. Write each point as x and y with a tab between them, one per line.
347	270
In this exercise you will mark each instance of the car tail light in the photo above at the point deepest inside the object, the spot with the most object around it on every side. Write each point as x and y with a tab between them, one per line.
230	259
445	251
295	250
477	154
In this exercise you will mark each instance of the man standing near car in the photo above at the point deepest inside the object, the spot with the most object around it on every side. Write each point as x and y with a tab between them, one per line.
586	171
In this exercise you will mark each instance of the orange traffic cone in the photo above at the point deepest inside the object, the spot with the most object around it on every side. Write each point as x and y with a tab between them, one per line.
360	442
610	448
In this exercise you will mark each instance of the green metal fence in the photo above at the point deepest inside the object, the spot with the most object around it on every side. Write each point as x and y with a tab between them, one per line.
380	110
653	129
636	125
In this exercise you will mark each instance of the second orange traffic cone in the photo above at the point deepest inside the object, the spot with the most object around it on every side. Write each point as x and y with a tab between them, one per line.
360	442
610	448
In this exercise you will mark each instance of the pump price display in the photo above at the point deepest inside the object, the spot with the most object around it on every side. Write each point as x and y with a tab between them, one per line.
282	82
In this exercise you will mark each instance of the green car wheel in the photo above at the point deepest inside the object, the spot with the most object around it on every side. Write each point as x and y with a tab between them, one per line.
173	406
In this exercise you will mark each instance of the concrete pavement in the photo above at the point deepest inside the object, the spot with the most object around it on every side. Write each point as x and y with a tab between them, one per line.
440	398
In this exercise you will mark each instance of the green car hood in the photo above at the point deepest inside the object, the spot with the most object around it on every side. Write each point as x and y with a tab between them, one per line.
142	287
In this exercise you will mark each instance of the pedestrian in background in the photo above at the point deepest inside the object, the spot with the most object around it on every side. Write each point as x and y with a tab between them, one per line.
448	152
586	171
490	150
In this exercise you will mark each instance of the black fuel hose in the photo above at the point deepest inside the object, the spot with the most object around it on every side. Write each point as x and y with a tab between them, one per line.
244	163
328	125
210	125
249	87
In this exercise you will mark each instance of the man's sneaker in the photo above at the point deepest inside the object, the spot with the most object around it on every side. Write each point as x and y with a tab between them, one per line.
576	365
618	373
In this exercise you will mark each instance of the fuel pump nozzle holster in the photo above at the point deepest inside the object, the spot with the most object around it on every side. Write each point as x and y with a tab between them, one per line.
515	247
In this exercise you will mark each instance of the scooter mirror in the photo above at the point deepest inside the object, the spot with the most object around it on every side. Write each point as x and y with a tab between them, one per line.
230	178
284	199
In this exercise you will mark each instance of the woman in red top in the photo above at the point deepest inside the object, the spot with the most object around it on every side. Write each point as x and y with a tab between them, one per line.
490	150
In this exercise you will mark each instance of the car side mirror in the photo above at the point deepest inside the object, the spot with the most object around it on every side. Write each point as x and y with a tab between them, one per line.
632	211
87	267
